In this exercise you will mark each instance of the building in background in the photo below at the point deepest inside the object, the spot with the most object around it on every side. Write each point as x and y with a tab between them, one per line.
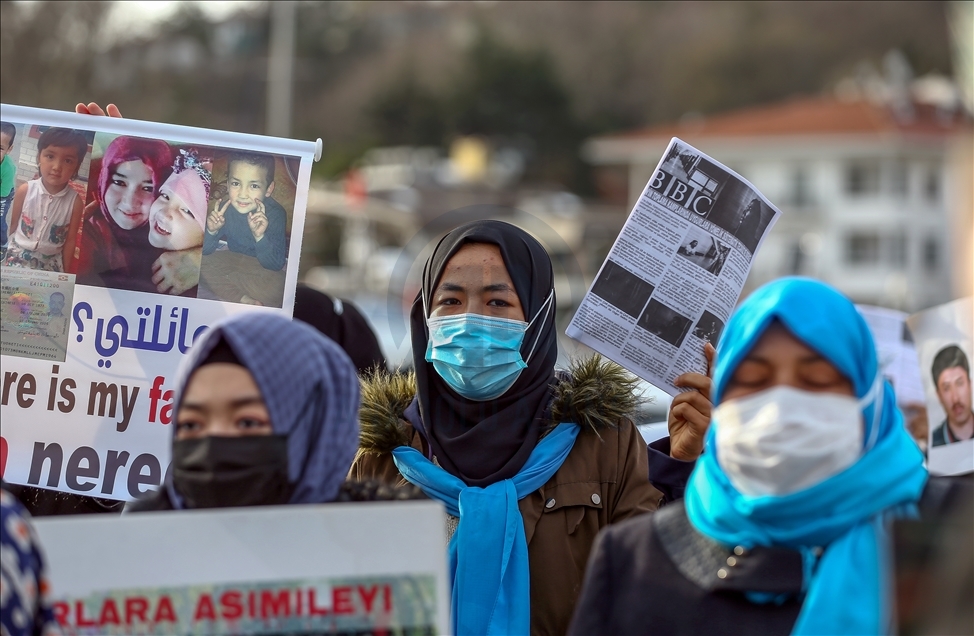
866	183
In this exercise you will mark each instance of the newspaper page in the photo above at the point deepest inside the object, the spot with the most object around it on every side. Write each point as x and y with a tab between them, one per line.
94	325
674	274
944	339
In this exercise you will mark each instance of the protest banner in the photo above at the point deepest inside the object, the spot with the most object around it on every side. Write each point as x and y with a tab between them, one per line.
177	228
311	569
676	270
944	339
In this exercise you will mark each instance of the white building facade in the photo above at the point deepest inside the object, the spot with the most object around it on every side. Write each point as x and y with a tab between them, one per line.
864	191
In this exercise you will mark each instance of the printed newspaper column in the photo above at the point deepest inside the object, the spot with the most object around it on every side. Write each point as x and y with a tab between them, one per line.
176	228
674	274
944	337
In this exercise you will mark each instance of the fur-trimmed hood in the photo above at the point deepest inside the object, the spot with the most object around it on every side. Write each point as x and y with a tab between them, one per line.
593	392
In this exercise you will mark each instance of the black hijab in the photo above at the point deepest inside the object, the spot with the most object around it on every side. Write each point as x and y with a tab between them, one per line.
349	328
485	442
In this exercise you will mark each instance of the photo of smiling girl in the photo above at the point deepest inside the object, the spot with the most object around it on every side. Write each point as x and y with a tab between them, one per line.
115	250
178	215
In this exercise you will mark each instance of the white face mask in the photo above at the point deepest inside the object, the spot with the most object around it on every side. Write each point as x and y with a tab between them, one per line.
783	440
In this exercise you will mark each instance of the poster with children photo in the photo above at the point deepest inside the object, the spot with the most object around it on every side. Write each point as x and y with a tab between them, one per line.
110	276
248	228
144	216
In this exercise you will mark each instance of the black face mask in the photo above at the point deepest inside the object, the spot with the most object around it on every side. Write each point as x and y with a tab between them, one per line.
219	472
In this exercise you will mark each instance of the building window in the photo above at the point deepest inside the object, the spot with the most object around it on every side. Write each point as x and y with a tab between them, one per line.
931	254
862	249
897	250
931	184
801	193
861	178
899	181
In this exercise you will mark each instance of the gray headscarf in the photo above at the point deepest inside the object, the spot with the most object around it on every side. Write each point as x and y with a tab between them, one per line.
310	389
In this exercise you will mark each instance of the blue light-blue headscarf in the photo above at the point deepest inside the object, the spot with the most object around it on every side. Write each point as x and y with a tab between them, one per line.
847	589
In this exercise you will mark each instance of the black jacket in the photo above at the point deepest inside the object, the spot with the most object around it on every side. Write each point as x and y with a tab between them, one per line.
656	574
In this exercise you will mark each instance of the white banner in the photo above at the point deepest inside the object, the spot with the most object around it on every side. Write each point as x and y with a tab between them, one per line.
263	570
90	349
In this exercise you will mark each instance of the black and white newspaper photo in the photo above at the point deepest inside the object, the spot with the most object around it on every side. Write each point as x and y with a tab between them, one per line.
676	270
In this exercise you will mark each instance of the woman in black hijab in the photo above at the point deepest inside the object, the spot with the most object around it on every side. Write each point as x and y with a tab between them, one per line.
487	418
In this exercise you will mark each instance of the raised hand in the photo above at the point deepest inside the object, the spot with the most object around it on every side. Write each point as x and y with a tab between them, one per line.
94	109
689	416
217	217
258	221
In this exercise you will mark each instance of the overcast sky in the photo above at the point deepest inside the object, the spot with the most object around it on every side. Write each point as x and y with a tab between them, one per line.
139	18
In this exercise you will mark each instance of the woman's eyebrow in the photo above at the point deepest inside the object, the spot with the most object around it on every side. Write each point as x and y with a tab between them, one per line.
247	401
499	287
237	403
755	358
450	287
812	358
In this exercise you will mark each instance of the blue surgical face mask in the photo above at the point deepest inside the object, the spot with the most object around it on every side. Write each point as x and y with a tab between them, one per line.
480	356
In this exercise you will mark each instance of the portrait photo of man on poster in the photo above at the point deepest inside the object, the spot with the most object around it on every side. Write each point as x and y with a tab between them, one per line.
951	372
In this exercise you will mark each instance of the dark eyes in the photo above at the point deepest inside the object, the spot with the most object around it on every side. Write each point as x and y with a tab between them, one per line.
188	426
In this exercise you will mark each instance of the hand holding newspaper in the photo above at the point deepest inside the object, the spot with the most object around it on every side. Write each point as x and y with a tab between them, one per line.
674	274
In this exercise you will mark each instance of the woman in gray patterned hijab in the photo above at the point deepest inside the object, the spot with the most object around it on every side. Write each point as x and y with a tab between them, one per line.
266	412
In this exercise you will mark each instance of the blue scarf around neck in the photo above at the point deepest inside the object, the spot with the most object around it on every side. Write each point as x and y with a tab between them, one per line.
488	554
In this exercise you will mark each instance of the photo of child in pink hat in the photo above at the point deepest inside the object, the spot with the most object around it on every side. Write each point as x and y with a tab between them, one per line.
178	215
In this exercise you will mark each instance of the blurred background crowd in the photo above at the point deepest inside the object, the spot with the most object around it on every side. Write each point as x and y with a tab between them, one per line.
853	117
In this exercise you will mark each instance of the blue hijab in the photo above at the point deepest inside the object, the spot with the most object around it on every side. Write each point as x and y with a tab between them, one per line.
846	589
311	391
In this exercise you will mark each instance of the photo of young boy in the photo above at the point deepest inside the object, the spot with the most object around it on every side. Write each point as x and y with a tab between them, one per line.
8	176
46	211
245	242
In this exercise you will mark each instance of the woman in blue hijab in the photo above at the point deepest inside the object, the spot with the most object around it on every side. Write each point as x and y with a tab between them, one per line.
784	528
265	413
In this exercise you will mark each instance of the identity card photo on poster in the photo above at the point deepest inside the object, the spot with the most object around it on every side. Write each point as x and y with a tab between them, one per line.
675	272
128	238
944	336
